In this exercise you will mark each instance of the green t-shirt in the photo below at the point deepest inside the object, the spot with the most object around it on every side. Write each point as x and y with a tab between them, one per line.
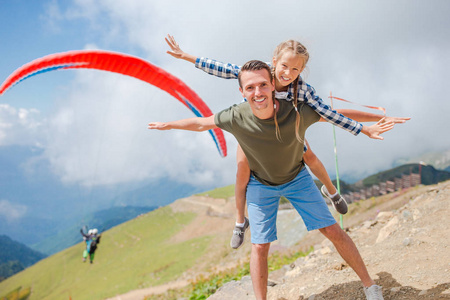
271	161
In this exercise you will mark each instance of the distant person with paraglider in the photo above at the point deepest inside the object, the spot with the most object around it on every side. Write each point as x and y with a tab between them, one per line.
92	239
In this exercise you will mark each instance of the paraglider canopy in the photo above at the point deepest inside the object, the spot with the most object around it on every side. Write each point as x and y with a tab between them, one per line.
122	64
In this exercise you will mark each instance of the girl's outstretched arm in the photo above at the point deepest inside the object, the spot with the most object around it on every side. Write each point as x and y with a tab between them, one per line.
210	66
383	123
306	93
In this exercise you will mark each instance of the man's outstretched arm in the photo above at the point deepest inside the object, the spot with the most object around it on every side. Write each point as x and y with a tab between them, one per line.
192	124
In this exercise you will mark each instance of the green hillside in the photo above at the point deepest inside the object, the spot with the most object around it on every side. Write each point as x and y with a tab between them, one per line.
15	256
429	174
133	255
222	192
14	251
102	220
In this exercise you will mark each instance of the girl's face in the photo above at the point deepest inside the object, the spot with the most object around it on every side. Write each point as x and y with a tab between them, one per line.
287	68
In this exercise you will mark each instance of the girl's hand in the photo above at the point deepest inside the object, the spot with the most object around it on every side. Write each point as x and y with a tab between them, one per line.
176	50
380	127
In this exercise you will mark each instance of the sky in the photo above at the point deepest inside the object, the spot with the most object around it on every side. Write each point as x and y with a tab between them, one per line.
92	126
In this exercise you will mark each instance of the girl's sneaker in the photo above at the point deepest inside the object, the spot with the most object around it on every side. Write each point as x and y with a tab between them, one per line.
238	235
338	202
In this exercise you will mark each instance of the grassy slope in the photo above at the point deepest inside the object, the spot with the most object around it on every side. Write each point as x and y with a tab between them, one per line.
133	255
222	192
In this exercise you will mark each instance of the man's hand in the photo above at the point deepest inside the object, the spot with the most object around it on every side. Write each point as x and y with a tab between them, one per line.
380	127
396	120
158	126
191	124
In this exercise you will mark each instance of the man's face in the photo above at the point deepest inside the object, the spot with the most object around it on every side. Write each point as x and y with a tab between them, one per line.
257	89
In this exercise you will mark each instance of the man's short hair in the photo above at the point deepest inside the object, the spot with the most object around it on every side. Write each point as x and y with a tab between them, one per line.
255	65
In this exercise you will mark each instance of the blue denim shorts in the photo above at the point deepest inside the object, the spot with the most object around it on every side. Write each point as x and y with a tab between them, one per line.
302	192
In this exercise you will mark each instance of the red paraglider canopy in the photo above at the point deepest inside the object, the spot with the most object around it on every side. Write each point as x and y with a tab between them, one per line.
122	64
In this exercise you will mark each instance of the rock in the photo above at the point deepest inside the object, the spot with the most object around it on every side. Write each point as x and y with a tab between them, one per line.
325	250
416	214
422	293
407	241
384	216
387	230
406	215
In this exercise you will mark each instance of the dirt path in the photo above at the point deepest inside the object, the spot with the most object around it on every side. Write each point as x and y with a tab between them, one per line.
141	293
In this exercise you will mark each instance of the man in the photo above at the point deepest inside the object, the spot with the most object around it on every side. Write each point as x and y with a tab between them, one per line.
265	129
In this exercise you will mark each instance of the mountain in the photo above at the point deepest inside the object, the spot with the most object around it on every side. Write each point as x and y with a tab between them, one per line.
438	159
15	256
35	205
102	220
429	174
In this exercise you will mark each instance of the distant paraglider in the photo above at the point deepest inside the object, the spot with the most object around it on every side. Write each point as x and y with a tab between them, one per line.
92	239
122	64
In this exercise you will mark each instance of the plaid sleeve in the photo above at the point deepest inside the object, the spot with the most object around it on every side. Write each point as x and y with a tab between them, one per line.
307	93
217	68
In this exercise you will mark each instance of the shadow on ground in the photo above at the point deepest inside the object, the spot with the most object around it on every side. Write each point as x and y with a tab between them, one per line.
392	289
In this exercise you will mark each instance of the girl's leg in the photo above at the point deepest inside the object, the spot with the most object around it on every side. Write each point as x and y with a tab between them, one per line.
318	169
242	178
329	190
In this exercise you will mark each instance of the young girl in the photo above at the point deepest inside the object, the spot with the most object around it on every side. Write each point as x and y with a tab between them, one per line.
289	60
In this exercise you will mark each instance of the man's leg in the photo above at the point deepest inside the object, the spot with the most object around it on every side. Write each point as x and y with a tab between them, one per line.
348	251
259	269
306	199
262	204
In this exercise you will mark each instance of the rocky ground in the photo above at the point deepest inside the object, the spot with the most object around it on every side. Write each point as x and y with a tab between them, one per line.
403	238
406	250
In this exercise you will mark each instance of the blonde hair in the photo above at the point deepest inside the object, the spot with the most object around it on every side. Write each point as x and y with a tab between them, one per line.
298	49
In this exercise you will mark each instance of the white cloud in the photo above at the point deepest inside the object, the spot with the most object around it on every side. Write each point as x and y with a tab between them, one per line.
12	212
100	136
20	126
361	51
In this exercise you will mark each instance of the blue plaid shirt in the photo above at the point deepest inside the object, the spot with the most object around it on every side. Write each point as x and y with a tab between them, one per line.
305	93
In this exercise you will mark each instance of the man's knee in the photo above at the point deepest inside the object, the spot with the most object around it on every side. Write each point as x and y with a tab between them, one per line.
261	249
333	232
